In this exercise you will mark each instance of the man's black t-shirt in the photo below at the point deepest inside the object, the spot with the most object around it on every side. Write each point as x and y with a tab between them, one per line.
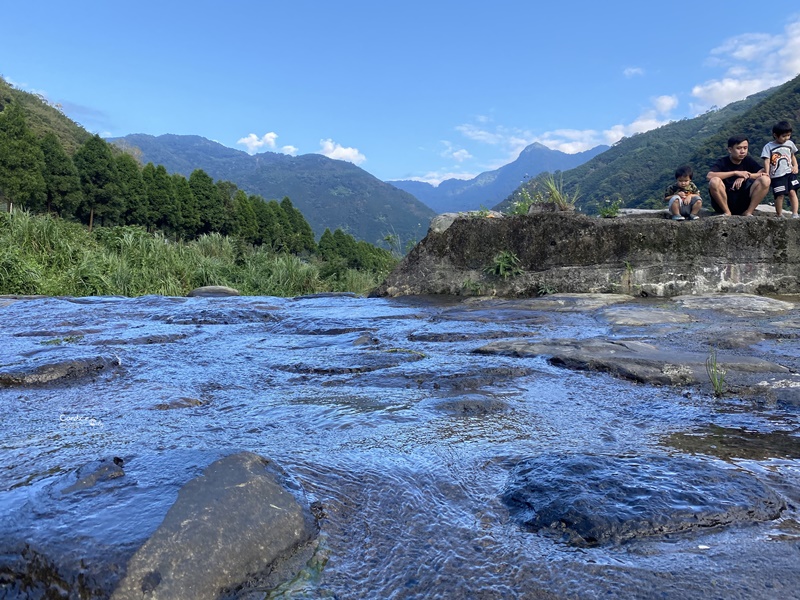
726	165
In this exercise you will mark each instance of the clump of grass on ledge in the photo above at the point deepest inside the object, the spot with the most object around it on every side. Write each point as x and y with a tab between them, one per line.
49	256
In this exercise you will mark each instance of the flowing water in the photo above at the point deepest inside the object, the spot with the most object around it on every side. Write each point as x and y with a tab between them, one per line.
401	433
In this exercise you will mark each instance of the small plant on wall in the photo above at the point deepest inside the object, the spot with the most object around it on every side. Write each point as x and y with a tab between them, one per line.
610	209
505	265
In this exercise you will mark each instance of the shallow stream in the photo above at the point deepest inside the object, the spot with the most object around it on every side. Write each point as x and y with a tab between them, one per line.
403	435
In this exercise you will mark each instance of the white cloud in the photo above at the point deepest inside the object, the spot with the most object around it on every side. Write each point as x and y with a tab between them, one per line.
437	177
510	141
633	72
336	151
753	62
253	143
579	140
461	155
665	104
478	134
450	151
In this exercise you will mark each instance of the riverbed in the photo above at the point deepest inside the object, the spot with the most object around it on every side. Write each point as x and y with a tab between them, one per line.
405	435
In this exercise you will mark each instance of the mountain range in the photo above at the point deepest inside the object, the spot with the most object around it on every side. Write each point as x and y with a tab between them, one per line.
336	194
491	187
331	194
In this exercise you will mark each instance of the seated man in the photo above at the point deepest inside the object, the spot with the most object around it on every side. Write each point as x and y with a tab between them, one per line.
737	182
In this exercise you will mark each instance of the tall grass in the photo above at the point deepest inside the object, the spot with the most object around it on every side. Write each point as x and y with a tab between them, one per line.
49	256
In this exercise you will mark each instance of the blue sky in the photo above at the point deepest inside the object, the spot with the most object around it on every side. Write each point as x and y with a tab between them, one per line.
404	89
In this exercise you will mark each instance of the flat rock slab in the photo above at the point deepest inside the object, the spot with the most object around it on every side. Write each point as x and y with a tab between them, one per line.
577	302
633	360
637	316
38	372
234	521
744	305
586	500
113	526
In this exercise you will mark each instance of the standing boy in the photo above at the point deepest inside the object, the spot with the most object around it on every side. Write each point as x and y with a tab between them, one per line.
781	164
737	183
683	196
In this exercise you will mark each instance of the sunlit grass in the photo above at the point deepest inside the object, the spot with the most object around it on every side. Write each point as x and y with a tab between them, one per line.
49	256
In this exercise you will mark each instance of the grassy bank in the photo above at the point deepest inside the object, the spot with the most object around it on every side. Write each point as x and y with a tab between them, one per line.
49	256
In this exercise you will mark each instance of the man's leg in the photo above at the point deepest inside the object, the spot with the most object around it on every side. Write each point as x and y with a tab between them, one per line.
719	197
758	191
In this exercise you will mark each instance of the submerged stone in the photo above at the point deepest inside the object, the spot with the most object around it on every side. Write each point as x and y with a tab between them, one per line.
113	526
631	359
587	500
42	372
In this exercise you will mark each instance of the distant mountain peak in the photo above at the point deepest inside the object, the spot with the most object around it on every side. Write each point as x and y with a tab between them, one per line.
492	187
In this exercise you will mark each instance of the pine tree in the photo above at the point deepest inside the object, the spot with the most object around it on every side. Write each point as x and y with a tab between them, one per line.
132	192
62	184
301	236
162	199
187	205
206	194
226	190
274	226
246	219
98	173
21	161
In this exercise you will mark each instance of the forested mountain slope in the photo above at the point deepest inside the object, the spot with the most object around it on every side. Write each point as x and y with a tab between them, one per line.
330	193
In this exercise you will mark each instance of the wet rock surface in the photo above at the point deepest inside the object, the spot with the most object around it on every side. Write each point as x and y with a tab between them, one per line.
78	536
228	526
403	429
591	500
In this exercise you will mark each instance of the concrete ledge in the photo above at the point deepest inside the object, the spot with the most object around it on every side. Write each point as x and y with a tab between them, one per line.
570	252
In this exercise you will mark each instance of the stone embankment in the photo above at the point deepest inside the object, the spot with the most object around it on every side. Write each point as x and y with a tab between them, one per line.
470	254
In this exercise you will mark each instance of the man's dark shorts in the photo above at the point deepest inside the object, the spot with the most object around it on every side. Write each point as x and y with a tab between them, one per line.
738	200
784	184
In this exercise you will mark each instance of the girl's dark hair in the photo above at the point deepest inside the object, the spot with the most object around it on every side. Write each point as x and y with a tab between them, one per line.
781	127
684	171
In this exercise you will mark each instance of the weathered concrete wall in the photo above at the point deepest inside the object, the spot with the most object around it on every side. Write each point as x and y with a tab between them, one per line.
569	252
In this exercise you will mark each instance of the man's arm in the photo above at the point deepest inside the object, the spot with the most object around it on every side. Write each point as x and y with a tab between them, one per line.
725	174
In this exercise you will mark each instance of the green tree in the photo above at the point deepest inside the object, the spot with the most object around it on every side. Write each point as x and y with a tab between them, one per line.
98	173
136	210
21	161
273	226
212	215
187	205
226	191
301	236
246	219
327	246
62	184
160	195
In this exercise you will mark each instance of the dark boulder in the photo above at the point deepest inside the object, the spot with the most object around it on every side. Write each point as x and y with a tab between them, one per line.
113	528
587	500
